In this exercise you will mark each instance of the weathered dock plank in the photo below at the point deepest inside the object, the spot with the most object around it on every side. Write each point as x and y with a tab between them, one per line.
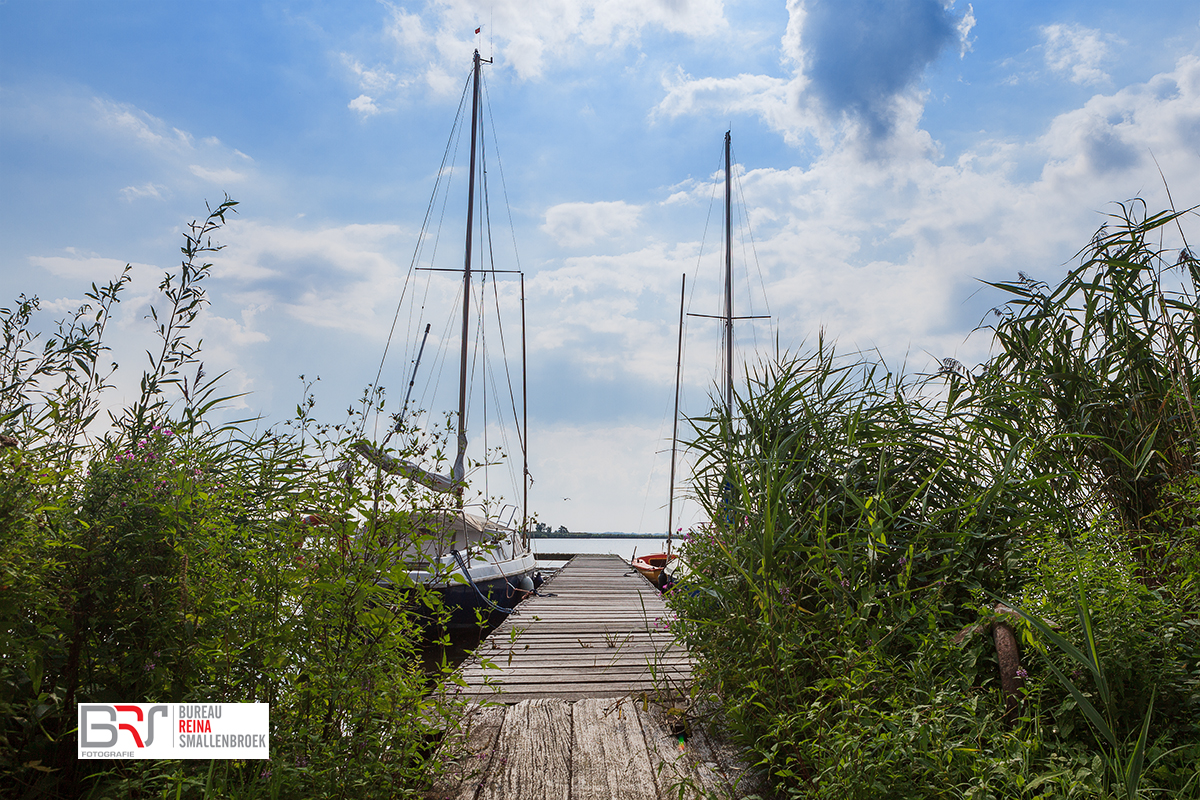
533	755
592	749
599	631
471	752
609	756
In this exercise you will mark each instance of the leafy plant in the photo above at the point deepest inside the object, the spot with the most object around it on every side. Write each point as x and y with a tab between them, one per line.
169	558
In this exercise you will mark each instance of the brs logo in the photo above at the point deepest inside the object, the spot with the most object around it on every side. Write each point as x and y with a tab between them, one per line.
90	724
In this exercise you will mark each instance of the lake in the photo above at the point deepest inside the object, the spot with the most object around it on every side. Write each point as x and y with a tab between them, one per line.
623	546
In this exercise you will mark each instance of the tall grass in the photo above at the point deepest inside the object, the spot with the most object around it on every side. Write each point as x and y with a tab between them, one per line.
860	518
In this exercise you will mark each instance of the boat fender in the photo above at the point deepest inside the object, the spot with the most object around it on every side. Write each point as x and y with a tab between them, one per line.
522	583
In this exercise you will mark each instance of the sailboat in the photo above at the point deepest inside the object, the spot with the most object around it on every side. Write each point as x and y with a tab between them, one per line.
657	567
661	567
475	562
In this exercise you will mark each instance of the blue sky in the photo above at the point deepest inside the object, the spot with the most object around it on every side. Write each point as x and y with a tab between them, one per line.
892	154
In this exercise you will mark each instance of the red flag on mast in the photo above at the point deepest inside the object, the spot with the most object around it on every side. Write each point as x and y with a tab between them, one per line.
477	30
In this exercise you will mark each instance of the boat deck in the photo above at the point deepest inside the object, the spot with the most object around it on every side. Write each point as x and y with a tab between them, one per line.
598	631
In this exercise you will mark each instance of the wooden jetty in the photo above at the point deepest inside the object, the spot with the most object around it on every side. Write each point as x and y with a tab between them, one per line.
600	630
578	699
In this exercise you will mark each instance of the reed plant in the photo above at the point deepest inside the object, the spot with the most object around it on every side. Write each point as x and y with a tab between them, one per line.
861	519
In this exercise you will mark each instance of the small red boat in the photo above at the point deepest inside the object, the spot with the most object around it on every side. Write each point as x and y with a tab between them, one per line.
652	566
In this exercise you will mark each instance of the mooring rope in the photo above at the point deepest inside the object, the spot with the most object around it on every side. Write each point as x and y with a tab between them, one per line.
471	581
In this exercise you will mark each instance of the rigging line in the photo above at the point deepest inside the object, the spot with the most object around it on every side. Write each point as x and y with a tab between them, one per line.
744	216
516	257
503	183
499	316
753	249
720	170
489	371
712	199
502	429
484	228
442	355
504	360
417	250
475	352
487	472
437	240
420	313
659	437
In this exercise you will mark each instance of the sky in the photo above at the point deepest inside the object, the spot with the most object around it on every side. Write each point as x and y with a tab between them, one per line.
890	156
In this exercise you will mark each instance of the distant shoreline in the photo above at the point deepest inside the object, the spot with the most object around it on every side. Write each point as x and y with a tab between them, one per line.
605	535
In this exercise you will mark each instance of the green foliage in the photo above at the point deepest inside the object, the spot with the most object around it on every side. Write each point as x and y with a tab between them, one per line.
860	519
167	559
1101	371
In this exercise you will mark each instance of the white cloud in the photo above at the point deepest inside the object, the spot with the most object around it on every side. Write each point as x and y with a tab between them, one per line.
529	35
131	122
884	248
154	190
371	80
1077	50
84	269
578	224
965	25
364	105
163	161
220	175
769	98
341	278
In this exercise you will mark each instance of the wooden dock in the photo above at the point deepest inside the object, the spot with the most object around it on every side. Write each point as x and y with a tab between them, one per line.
599	630
580	698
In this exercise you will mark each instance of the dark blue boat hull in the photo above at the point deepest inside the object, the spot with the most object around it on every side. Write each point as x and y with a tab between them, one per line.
466	607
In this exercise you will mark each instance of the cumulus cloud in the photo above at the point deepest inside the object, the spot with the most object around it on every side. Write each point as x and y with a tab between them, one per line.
1076	50
336	277
364	105
373	83
886	252
769	98
855	65
578	224
861	54
85	268
432	49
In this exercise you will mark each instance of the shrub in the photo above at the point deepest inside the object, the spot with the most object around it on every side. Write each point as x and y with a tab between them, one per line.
164	558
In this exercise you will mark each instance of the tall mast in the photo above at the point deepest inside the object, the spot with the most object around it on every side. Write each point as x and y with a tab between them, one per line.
459	466
675	423
728	282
